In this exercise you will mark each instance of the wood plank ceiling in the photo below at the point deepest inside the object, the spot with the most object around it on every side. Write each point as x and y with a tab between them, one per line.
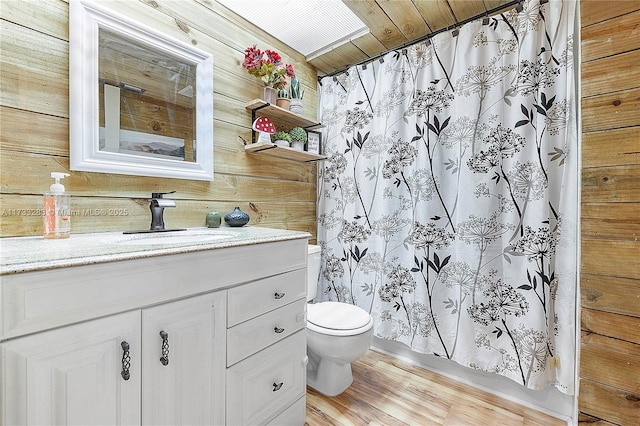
393	23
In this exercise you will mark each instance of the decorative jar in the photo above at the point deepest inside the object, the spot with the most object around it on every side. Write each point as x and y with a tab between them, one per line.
236	218
213	220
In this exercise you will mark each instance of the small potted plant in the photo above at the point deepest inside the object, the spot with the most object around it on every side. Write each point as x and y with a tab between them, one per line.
295	105
282	99
298	138
281	138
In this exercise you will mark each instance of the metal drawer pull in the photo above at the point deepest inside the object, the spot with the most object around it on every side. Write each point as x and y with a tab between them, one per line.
277	386
164	359
278	329
126	361
278	296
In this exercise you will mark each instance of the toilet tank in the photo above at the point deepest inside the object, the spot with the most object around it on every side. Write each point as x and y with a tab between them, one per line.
313	271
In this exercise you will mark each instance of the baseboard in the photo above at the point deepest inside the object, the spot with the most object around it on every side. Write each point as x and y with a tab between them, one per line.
549	401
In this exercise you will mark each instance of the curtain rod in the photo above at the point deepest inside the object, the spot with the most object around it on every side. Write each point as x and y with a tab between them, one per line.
428	36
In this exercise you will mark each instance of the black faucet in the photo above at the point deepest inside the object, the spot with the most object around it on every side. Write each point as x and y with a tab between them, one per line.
157	207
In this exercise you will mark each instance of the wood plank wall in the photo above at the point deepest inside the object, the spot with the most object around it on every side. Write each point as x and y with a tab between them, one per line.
34	140
34	120
610	283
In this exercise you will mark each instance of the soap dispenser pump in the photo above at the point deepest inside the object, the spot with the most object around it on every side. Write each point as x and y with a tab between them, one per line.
57	210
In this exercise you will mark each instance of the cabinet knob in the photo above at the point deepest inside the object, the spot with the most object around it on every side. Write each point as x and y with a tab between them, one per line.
277	386
126	361
278	329
278	296
164	359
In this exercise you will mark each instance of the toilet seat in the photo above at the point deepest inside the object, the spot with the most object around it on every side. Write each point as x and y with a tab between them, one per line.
338	319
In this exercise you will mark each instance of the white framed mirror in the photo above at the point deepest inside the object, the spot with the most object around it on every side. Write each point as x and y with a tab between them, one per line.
140	102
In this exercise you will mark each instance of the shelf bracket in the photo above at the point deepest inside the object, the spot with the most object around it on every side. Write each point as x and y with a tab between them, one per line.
266	148
253	120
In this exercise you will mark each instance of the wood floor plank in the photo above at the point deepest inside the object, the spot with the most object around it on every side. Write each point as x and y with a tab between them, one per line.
388	386
472	414
387	391
353	410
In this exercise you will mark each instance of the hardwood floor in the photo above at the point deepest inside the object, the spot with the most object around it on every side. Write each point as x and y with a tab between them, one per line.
389	392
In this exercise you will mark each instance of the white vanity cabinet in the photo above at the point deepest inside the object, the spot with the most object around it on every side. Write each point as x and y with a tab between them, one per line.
106	371
204	336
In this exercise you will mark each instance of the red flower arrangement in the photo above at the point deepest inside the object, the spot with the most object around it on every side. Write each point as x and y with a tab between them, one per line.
270	70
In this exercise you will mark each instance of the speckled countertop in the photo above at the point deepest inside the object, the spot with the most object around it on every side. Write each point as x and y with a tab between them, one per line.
22	254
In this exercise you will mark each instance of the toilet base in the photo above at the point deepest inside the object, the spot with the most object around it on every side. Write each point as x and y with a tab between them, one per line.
328	377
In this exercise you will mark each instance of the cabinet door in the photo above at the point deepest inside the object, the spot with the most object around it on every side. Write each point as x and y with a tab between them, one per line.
73	375
185	382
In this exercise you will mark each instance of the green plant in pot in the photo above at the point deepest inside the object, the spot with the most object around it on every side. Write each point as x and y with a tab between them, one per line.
282	99
281	138
296	96
298	138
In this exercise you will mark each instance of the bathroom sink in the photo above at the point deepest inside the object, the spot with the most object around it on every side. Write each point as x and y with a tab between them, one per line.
184	238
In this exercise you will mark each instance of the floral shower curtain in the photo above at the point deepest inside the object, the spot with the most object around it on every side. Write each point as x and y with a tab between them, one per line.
448	203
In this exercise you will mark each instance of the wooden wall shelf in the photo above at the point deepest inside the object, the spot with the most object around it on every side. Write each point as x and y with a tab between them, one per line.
285	119
267	148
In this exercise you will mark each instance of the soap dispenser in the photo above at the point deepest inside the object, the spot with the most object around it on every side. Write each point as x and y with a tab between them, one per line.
57	210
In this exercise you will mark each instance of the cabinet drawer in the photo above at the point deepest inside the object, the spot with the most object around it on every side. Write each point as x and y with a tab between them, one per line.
251	336
292	416
256	298
268	382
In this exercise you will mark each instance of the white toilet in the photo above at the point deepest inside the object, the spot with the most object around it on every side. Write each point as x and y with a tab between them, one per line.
337	334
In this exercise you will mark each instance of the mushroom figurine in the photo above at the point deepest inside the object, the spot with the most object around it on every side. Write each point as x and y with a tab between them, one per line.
265	127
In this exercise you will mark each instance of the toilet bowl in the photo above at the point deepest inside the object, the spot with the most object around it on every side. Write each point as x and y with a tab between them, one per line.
337	335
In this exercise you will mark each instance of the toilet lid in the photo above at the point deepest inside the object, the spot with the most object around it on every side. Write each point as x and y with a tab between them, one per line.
337	316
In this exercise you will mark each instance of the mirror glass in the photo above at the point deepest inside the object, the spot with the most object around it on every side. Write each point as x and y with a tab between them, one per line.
147	100
141	103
